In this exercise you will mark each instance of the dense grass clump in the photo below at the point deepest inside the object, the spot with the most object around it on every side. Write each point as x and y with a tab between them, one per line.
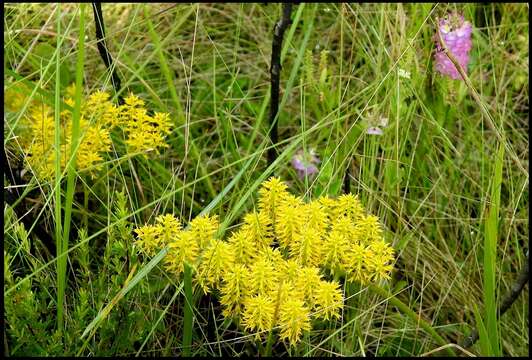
131	221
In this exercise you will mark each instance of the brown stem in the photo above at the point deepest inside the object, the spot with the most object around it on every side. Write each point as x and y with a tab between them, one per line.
275	72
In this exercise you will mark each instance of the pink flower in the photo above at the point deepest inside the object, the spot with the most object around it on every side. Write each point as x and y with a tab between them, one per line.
305	164
456	34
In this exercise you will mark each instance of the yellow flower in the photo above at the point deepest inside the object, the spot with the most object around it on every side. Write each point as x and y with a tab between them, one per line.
149	238
259	227
355	264
315	217
294	320
349	205
290	270
368	229
242	246
306	284
271	193
268	286
328	300
380	264
144	132
171	227
258	314
215	260
289	220
263	276
234	289
307	249
183	249
336	244
204	228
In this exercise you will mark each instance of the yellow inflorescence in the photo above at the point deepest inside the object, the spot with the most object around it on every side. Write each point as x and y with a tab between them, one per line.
99	116
272	272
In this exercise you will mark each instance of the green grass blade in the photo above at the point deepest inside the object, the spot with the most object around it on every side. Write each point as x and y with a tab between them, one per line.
71	174
490	256
62	261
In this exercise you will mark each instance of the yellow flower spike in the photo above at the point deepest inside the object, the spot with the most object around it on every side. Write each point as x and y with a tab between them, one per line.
349	205
234	288
289	220
328	300
267	286
171	227
96	99
95	140
204	228
368	229
274	256
315	217
380	264
285	290
307	249
133	101
215	260
329	205
149	238
336	245
271	193
294	319
242	246
305	285
355	264
290	270
263	276
164	125
258	314
259	227
183	249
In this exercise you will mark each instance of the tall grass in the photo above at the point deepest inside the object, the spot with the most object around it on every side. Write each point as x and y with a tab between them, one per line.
449	192
490	257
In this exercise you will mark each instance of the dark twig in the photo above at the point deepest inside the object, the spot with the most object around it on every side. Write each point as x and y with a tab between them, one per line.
102	47
275	72
347	181
506	302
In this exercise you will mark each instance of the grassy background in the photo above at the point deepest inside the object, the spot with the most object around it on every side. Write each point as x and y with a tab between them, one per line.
433	178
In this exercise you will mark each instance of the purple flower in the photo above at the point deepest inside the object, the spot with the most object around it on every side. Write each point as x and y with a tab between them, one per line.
305	163
456	34
374	131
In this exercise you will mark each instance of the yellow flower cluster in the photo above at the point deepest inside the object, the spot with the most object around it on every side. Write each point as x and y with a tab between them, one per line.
99	116
271	271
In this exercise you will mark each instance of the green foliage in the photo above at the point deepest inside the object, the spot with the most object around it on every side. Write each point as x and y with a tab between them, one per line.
455	211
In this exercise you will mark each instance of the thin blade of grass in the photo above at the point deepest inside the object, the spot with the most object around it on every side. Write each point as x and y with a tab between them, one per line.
490	256
61	263
71	174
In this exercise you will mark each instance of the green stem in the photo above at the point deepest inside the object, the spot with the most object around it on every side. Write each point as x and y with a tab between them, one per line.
188	319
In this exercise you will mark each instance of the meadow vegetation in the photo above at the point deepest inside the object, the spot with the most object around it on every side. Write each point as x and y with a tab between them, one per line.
149	221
